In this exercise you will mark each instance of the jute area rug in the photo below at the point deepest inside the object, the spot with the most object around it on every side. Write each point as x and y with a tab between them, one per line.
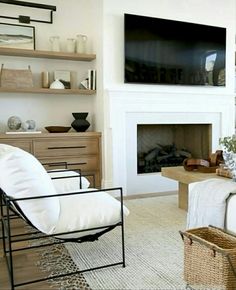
154	251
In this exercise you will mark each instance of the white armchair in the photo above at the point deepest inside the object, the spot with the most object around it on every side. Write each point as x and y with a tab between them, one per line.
63	208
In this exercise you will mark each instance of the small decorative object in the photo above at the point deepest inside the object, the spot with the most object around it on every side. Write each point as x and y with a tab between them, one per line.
14	123
31	125
92	79
84	84
57	85
73	80
229	153
204	165
55	43
16	78
45	79
81	43
63	76
57	129
70	45
24	126
80	124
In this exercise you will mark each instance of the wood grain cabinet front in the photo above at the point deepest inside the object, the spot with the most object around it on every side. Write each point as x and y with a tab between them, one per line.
77	150
64	147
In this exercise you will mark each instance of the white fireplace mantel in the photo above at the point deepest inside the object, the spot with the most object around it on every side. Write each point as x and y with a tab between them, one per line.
129	108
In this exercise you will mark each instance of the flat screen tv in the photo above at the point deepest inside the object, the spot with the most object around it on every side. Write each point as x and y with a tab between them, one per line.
161	51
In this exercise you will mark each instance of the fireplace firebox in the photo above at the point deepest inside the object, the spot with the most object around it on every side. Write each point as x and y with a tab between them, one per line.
162	145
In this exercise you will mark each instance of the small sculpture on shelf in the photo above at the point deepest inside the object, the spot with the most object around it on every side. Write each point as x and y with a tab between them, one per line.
57	85
29	125
14	123
80	124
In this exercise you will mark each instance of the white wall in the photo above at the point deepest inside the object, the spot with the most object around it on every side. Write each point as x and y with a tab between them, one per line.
210	12
71	18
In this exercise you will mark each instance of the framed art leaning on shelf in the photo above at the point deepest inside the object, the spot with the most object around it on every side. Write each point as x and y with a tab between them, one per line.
17	36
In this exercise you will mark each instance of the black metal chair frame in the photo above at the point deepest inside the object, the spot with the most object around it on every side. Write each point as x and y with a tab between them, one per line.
10	211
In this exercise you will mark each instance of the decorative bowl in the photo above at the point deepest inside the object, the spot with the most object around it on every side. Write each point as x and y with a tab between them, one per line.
57	129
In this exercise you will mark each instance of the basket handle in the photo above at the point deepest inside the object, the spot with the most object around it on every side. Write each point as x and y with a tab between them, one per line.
190	241
182	235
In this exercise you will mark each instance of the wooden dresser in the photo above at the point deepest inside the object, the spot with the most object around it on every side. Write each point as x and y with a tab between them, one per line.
78	150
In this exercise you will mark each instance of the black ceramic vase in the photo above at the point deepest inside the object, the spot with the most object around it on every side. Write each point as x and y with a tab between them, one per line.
80	124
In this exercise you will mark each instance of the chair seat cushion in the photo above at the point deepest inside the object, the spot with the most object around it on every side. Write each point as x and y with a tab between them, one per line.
89	210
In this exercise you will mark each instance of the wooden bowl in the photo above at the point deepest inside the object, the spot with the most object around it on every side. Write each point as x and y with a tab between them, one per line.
57	129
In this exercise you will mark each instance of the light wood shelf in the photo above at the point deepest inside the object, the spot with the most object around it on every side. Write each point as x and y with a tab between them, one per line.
47	54
48	91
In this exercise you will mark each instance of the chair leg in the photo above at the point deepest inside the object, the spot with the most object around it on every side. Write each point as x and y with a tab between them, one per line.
9	257
122	227
123	244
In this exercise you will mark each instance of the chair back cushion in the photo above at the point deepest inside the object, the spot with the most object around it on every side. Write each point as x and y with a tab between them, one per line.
22	175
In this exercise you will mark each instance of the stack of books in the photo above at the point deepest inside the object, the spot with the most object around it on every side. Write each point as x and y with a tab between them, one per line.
90	82
92	79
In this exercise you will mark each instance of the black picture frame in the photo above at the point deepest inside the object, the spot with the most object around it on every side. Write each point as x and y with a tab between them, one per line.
17	36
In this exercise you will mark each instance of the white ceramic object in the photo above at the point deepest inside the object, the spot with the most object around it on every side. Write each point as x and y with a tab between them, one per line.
57	85
70	45
81	43
55	43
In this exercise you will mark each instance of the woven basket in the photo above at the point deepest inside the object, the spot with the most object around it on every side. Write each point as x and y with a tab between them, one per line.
209	258
16	78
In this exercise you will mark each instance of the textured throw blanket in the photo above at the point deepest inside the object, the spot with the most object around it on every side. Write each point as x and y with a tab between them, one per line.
207	202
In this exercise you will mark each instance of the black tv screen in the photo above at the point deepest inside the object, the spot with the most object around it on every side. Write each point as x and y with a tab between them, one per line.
161	51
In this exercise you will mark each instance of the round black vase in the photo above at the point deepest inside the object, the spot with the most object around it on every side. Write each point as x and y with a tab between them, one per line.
80	124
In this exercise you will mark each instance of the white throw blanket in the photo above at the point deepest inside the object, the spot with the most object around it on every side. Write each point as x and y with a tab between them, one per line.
207	202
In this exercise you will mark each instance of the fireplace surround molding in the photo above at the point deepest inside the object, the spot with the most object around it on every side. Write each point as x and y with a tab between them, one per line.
127	109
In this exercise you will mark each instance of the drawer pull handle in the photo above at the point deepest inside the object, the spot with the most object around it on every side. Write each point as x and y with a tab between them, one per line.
69	147
55	164
78	163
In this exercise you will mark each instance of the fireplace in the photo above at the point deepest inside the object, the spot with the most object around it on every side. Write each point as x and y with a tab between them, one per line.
163	145
180	110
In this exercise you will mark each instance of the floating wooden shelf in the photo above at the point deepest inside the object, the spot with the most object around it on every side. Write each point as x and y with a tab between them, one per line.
47	54
48	91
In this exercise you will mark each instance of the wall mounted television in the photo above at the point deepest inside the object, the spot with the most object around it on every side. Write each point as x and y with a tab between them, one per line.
161	51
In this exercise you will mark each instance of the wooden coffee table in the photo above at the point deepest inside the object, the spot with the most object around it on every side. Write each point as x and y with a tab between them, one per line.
184	178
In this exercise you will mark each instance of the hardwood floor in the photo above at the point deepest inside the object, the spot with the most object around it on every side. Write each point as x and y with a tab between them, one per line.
25	268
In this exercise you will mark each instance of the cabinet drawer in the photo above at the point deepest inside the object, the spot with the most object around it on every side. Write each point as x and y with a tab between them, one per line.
25	145
51	148
85	164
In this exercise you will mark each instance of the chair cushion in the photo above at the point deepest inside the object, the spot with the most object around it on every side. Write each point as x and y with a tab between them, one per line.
89	210
22	175
71	184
